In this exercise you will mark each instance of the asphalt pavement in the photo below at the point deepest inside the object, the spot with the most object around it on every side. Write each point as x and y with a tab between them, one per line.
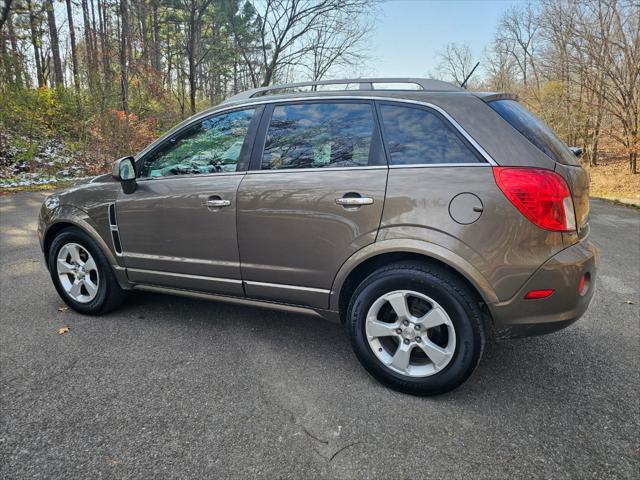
168	387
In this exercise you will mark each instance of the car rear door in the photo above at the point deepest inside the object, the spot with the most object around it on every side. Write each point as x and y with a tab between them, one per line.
178	228
313	196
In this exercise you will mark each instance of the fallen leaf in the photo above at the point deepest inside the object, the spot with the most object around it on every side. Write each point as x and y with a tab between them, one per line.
63	309
628	302
63	330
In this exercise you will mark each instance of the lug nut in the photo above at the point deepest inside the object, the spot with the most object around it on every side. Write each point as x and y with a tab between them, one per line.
417	327
398	331
418	339
406	323
406	341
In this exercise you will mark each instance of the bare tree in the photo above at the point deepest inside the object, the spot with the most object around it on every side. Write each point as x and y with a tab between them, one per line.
35	41
604	53
74	50
55	44
518	34
155	31
90	47
621	68
286	29
456	62
500	68
336	43
124	39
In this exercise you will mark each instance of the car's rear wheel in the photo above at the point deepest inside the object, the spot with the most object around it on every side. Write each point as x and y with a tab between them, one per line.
416	328
82	274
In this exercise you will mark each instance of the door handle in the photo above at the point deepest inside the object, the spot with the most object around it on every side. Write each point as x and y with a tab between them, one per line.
354	201
217	202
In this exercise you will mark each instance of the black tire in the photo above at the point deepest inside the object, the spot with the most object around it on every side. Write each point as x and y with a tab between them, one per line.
109	294
447	290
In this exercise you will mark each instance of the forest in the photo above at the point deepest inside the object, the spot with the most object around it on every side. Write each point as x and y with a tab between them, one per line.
85	81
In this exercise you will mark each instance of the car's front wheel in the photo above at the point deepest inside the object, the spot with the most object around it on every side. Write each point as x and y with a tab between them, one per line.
81	273
416	328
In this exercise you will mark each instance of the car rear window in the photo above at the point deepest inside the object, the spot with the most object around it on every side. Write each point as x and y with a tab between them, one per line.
535	130
418	136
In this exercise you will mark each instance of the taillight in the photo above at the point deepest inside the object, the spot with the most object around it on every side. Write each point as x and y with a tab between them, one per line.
541	195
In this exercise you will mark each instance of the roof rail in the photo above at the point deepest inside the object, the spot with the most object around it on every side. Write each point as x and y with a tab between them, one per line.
423	84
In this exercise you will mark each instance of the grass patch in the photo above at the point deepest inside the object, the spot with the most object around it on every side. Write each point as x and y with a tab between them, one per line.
611	179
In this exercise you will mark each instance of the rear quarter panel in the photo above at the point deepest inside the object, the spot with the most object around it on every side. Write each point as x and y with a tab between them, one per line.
502	244
501	141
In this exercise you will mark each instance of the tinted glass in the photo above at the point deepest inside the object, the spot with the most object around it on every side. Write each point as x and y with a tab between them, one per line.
212	145
317	135
418	136
535	130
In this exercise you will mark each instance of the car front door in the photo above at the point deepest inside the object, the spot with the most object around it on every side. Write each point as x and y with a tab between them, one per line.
313	197
178	228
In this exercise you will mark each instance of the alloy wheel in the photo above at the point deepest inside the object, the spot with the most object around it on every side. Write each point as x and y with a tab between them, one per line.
410	333
77	272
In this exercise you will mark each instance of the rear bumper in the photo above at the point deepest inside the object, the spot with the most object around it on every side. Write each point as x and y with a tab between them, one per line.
518	317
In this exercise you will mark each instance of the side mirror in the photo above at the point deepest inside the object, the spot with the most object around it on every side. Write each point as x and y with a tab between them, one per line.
124	170
576	151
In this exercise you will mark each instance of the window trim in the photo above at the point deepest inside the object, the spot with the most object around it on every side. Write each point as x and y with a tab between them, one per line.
245	151
376	151
265	102
448	123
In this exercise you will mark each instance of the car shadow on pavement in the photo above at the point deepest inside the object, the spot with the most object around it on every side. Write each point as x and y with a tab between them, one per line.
538	367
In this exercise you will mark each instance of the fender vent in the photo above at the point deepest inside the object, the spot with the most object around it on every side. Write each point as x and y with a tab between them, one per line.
116	241
113	226
112	216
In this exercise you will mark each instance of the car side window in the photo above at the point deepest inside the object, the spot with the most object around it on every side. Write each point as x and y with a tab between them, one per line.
319	135
211	145
420	136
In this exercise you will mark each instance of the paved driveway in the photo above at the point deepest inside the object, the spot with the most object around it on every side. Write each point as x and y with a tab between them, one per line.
177	388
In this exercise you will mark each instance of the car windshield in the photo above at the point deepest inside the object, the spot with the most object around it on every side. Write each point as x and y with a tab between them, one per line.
535	130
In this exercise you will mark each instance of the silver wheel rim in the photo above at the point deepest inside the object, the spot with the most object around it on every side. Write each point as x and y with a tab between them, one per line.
410	333
77	272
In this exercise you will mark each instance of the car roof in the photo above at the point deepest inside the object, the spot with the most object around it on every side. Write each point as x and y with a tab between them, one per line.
420	89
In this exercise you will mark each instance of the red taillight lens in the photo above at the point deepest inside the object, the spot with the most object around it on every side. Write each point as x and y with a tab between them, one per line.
585	281
537	294
541	195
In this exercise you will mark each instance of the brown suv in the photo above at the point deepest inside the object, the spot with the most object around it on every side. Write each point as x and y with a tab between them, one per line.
421	215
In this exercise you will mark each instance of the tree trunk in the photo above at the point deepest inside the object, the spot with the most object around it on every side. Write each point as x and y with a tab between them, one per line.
104	46
124	82
192	59
268	75
4	12
15	53
144	35
156	36
55	44
35	41
89	48
74	51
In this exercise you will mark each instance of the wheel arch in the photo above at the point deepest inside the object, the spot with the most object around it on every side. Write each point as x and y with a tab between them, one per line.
67	217
379	254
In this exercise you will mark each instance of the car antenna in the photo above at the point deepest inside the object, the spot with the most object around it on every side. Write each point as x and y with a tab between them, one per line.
463	84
